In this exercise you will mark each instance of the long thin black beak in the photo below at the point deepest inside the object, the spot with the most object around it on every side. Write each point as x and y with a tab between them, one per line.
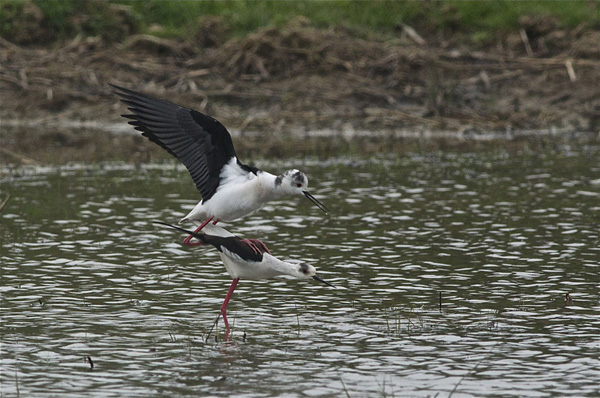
321	280
315	201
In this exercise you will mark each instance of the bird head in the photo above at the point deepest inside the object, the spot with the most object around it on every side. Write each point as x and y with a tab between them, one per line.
296	182
307	271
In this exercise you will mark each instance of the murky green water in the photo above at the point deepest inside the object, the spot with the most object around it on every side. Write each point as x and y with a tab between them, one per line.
499	238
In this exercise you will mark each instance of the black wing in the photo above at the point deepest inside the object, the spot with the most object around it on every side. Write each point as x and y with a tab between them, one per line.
235	245
200	142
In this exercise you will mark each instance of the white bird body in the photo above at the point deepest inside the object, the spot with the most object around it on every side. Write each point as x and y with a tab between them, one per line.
269	267
211	230
239	194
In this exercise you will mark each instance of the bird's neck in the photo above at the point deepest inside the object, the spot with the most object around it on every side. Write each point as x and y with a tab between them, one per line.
278	267
271	190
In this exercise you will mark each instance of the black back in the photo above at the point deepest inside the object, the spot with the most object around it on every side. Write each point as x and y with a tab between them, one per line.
200	142
235	245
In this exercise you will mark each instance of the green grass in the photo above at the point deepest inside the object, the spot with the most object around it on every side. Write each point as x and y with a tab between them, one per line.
247	16
377	16
477	19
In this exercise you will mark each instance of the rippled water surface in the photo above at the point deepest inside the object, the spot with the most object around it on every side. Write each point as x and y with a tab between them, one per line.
451	275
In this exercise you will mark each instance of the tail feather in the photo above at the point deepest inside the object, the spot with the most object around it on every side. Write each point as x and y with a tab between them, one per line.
196	235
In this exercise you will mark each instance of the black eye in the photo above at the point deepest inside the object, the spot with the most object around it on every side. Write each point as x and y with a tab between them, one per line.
298	185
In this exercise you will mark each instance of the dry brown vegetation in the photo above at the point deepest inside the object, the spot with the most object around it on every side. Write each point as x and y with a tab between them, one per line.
298	79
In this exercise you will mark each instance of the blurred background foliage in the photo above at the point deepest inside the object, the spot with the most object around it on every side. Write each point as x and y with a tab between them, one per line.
41	22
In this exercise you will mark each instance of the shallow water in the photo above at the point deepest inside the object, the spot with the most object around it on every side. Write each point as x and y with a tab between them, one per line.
451	274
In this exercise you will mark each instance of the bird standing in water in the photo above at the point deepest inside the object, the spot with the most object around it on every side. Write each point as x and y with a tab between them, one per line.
241	261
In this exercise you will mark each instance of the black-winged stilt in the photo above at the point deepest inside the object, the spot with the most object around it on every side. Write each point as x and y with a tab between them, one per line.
241	261
229	188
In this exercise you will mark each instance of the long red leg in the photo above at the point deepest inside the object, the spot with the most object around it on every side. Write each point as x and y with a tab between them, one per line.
260	244
256	245
187	241
224	306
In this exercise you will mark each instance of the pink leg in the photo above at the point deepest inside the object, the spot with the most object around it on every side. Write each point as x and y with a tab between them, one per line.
257	245
260	244
224	306
187	241
252	245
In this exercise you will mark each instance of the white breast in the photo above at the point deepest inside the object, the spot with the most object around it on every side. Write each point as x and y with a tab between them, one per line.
239	194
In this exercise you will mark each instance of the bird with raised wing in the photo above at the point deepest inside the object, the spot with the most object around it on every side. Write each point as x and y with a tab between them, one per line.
229	188
242	262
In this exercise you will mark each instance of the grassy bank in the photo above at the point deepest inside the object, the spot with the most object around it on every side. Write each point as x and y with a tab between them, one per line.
474	20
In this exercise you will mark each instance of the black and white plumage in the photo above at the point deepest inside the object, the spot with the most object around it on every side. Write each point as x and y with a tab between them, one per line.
229	188
241	261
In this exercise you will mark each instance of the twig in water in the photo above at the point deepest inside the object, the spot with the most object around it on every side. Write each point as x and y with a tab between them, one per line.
465	376
212	327
387	323
5	202
344	386
23	159
297	318
88	359
440	301
382	387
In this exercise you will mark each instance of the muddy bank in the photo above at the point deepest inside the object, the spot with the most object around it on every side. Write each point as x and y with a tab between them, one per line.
283	83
